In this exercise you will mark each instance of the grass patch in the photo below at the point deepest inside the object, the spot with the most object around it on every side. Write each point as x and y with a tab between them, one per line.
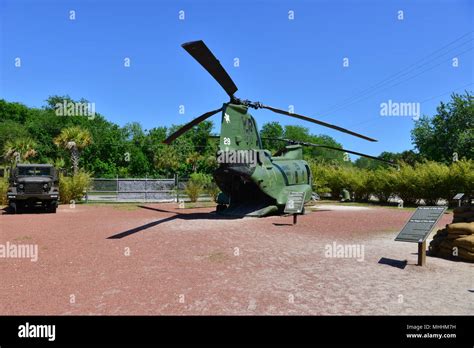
124	206
20	239
192	205
217	256
373	205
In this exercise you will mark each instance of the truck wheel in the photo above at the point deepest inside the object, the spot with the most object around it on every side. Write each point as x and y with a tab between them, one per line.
52	207
13	208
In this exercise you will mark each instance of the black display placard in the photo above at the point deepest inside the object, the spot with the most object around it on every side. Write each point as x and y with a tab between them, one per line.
419	227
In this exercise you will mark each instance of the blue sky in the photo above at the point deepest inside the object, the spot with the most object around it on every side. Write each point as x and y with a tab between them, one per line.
282	62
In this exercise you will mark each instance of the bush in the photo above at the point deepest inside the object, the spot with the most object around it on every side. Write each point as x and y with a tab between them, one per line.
461	178
319	180
381	183
335	181
213	190
71	188
336	178
431	180
196	185
356	182
3	191
405	184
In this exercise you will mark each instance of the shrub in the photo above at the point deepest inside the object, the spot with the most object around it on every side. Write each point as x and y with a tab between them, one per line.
71	188
431	180
335	181
196	185
405	184
320	173
3	191
213	190
356	182
461	177
381	183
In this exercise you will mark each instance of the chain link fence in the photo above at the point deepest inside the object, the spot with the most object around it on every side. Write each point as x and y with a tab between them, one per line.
139	190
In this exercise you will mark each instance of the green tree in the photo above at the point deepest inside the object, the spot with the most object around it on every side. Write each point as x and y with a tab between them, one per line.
74	139
20	150
272	130
449	133
193	159
166	160
11	130
409	157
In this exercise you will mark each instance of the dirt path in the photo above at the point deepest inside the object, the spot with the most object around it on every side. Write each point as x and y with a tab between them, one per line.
159	259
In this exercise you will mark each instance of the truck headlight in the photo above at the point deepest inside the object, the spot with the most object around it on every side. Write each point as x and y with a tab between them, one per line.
45	186
21	186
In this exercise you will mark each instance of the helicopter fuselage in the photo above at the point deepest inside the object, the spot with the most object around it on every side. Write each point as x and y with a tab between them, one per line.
247	173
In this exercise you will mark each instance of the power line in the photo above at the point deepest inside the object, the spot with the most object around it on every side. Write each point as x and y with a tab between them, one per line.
400	73
371	120
388	82
398	83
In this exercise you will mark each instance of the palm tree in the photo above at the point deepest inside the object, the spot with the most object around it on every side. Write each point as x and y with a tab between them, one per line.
193	159
58	163
74	139
166	159
20	149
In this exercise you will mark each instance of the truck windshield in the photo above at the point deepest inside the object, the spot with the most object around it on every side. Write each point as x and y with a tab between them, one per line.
34	171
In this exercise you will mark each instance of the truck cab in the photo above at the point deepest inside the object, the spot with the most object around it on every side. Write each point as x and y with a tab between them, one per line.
32	185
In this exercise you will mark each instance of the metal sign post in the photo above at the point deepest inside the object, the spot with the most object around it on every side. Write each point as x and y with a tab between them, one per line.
419	227
459	198
422	253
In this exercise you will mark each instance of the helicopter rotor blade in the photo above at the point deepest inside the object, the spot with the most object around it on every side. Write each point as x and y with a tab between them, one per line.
354	153
199	51
331	148
321	123
190	125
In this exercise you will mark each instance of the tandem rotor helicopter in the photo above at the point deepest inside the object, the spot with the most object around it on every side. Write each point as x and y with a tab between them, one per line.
262	187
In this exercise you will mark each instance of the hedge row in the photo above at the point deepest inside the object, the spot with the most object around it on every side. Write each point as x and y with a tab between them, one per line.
427	181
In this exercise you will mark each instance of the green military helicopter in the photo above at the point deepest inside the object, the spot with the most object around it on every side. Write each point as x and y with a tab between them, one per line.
252	181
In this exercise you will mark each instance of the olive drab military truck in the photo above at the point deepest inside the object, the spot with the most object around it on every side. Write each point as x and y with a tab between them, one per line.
32	185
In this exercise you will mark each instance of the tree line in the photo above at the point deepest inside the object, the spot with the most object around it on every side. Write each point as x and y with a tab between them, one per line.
107	150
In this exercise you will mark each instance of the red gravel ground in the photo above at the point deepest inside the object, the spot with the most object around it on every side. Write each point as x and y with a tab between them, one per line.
165	260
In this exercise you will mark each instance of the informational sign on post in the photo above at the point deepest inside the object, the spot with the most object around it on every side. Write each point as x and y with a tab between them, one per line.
419	227
295	204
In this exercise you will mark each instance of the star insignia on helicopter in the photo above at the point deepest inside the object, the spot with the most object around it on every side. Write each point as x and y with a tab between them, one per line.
227	118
